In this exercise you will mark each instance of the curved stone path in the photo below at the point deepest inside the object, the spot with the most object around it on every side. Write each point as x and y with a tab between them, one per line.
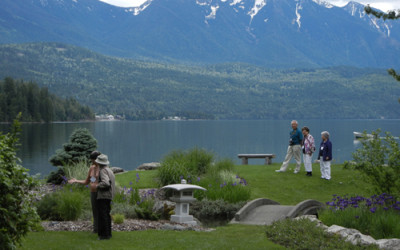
265	211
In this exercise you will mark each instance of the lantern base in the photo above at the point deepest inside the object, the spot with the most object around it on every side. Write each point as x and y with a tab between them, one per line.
187	219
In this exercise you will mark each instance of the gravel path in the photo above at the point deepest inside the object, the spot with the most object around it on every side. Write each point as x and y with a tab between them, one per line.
128	225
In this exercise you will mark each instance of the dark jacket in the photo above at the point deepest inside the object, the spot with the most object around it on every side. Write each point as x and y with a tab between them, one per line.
106	186
325	150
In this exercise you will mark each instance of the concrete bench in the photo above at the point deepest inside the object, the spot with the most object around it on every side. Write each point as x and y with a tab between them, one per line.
245	158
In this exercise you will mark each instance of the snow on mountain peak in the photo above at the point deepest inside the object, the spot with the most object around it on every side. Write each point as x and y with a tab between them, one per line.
258	5
357	9
298	16
213	13
137	10
323	3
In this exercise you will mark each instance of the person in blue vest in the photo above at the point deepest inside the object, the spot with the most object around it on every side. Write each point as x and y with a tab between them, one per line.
294	148
325	156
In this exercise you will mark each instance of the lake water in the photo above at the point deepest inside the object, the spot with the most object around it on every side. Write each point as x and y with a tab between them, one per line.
129	144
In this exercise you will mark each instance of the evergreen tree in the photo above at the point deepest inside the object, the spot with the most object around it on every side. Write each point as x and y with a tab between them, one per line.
37	104
81	144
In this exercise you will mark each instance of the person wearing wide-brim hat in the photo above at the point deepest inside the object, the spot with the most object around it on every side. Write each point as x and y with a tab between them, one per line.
105	193
92	180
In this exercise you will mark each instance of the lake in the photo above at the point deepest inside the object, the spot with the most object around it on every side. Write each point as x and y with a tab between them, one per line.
129	143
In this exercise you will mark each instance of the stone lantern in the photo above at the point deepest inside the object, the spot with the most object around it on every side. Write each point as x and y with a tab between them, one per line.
182	196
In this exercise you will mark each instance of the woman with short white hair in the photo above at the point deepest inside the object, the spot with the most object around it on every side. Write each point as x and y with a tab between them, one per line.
325	156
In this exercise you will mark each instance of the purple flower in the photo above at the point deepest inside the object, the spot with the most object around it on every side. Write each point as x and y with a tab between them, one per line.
198	179
130	183
234	184
372	210
357	217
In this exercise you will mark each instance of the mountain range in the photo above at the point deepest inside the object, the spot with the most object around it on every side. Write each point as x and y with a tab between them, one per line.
149	90
272	33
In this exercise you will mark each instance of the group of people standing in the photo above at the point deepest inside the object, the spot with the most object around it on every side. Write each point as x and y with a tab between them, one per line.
101	181
303	142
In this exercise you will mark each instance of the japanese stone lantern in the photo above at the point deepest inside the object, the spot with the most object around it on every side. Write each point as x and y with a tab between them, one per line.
182	196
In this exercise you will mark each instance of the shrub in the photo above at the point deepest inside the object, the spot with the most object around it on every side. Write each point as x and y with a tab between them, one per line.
234	189
46	207
70	205
81	144
118	218
305	234
57	177
377	216
211	210
379	160
66	204
144	208
179	164
126	209
17	216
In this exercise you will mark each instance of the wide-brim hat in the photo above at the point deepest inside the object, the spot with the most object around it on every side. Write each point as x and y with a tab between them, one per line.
102	159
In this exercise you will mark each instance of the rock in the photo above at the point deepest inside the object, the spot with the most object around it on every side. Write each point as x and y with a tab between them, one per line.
179	228
117	170
161	205
167	226
149	166
388	243
359	238
312	218
342	230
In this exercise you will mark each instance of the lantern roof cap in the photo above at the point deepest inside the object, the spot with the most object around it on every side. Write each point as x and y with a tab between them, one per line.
183	186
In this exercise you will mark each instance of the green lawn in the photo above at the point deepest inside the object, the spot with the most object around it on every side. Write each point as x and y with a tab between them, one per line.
286	188
228	237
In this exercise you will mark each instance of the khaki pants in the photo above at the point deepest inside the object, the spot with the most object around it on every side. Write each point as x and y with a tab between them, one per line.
295	151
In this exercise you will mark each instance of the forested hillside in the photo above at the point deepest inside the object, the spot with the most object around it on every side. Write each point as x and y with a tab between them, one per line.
37	104
147	90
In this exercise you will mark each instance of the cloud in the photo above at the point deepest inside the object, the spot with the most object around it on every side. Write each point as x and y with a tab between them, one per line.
124	3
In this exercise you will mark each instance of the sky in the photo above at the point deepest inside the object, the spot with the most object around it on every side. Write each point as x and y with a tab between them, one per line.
379	4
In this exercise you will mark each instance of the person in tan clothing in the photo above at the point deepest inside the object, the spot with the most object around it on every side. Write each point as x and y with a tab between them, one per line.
105	194
92	179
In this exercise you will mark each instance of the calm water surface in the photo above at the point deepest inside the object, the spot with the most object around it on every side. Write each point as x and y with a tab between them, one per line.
129	144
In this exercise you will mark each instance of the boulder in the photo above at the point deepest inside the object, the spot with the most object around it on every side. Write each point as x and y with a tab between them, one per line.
388	243
149	166
117	170
360	238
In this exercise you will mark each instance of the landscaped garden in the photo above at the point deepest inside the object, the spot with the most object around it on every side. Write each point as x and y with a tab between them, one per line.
355	197
263	181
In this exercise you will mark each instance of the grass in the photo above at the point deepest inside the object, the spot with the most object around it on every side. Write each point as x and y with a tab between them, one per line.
228	237
286	188
289	189
147	179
